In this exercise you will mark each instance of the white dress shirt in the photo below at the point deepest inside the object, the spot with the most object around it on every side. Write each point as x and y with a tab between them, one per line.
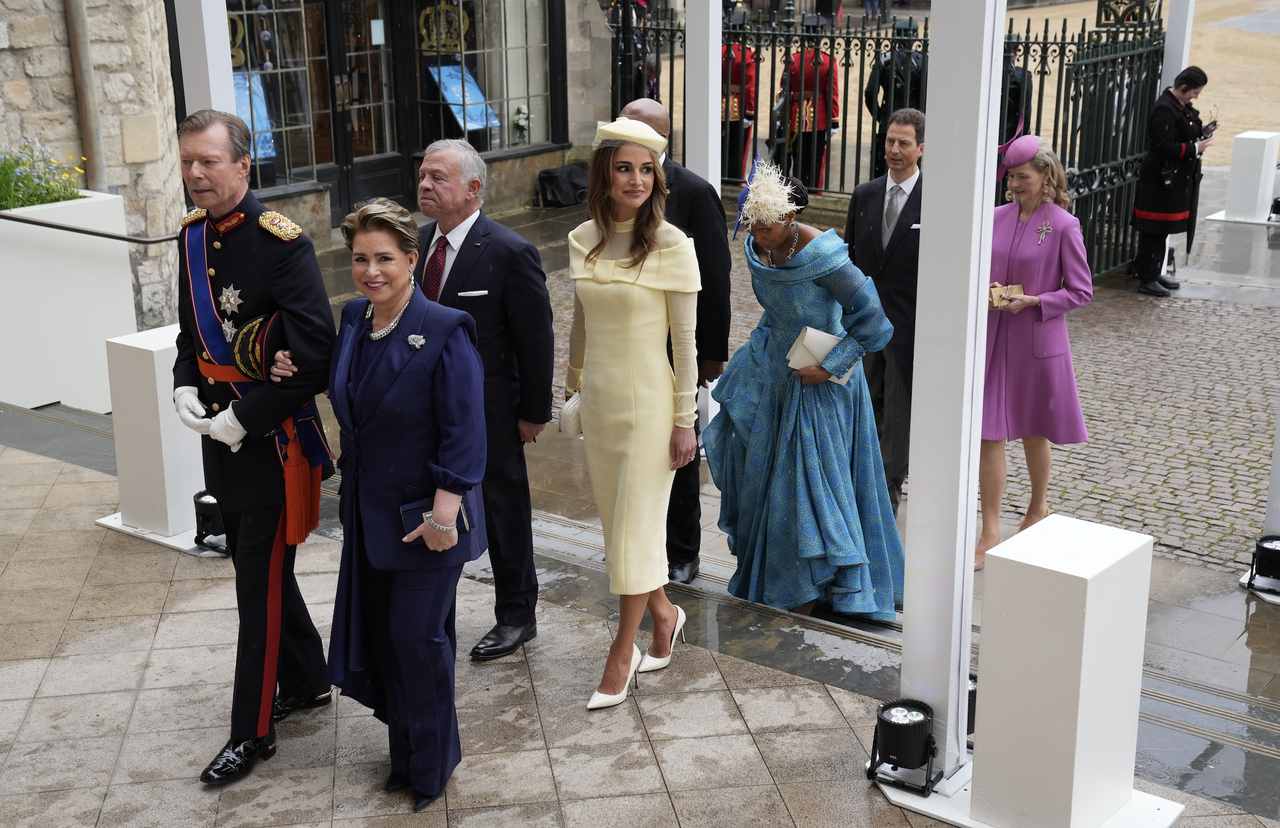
907	186
456	237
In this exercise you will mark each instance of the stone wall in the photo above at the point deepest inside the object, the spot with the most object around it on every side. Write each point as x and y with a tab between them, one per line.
588	37
130	48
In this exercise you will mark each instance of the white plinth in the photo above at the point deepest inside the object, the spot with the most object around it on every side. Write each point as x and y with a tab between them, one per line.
1253	175
90	284
1064	622
158	459
1142	810
1264	582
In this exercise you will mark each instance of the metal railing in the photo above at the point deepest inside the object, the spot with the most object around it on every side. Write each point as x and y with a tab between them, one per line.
102	234
815	99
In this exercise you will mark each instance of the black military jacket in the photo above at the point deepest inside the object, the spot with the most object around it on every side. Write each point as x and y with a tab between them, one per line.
262	264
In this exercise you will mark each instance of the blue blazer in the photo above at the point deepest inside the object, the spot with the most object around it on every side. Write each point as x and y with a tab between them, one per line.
416	425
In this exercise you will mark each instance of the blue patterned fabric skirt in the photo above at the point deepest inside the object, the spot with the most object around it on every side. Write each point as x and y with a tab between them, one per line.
804	500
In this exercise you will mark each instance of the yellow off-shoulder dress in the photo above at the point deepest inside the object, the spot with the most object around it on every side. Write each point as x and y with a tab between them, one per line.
631	397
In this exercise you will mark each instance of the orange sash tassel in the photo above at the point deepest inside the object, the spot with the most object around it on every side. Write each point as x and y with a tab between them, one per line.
301	491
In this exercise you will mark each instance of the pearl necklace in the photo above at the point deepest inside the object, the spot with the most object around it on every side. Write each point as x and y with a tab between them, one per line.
375	336
795	239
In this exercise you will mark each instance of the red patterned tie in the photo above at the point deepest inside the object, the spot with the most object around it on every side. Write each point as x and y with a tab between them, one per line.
433	273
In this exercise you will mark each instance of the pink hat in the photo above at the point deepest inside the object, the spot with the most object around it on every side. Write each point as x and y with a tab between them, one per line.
1018	152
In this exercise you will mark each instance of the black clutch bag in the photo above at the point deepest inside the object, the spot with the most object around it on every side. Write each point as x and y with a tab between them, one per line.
415	514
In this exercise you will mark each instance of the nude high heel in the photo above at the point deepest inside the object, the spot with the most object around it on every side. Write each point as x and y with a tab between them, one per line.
649	663
601	700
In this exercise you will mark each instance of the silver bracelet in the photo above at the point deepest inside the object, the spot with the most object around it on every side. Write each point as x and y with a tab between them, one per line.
438	527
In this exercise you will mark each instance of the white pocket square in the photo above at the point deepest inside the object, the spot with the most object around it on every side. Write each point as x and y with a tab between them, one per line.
914	227
473	293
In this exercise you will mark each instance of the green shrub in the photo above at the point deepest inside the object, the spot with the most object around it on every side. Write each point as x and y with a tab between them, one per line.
31	175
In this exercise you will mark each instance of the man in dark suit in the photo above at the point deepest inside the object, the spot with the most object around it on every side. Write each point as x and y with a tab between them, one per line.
240	264
474	264
693	205
884	242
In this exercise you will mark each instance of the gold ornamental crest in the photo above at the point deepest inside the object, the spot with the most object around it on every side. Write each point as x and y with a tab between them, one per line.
442	27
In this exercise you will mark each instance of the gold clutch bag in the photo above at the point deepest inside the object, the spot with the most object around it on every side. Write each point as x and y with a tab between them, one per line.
1000	295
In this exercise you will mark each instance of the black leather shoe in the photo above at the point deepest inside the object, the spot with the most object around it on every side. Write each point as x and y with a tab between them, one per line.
503	640
236	759
281	708
683	573
421	800
1153	289
1167	283
396	782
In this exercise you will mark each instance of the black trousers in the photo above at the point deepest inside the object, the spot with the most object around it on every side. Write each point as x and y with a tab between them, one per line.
738	136
410	618
684	512
278	643
891	403
1150	257
809	158
508	519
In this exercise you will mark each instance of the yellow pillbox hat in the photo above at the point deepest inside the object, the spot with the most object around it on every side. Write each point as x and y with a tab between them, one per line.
626	129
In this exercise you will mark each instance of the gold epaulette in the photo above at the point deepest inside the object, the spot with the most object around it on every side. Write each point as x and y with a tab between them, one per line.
194	215
279	226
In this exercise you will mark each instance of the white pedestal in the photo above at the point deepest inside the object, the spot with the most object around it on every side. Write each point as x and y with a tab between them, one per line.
158	460
90	282
1253	175
1064	623
1266	584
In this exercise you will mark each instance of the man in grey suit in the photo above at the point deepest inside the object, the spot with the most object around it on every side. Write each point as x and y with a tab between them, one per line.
883	233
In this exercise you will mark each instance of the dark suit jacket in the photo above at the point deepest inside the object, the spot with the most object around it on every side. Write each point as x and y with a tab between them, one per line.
415	426
893	267
506	294
694	206
272	276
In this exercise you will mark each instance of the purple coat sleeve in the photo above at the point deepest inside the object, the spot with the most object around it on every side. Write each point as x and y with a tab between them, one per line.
1072	263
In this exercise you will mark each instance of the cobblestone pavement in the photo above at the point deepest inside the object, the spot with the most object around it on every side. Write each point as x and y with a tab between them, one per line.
1180	399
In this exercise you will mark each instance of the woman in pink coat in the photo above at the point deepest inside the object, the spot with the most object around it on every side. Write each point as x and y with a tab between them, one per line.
1030	391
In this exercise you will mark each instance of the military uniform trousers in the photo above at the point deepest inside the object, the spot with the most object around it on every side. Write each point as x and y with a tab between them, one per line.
278	642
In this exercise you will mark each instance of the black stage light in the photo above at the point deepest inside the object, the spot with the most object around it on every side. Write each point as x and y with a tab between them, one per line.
1266	563
904	739
209	523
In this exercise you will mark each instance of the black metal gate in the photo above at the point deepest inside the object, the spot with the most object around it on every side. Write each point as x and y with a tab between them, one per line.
1088	91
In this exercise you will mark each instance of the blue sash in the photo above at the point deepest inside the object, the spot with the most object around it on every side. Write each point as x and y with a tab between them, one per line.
208	321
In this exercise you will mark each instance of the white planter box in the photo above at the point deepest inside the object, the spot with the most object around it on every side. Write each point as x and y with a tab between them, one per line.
65	295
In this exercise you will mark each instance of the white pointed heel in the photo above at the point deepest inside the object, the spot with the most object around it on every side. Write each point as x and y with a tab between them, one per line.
648	664
601	700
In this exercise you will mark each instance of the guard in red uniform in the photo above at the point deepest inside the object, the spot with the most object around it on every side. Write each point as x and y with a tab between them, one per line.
737	106
813	90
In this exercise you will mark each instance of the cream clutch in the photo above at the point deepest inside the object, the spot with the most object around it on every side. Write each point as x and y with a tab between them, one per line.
811	347
571	417
1000	295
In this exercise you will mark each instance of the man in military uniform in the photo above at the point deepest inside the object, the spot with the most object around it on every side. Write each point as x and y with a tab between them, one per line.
248	271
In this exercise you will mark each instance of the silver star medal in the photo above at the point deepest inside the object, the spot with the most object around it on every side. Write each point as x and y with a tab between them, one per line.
230	299
1044	229
229	330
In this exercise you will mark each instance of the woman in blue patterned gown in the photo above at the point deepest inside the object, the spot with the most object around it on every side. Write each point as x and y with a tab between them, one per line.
797	460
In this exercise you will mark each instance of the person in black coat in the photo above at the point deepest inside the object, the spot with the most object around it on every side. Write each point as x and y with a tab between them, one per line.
243	269
407	388
1169	180
496	276
694	206
896	81
884	243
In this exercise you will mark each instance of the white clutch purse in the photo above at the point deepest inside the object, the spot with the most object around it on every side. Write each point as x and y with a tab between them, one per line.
571	417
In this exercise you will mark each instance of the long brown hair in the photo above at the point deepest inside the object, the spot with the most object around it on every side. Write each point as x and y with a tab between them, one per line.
600	205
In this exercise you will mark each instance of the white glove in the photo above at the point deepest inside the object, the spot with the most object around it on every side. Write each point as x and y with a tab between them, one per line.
225	428
186	400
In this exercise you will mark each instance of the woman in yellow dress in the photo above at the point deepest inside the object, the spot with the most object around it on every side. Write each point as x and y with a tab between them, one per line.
635	281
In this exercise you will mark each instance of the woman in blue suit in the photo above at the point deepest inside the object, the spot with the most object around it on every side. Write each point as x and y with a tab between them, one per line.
407	389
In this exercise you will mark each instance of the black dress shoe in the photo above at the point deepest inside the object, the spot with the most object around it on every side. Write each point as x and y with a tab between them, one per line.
503	640
396	782
281	708
236	759
1153	289
683	573
1167	283
421	800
